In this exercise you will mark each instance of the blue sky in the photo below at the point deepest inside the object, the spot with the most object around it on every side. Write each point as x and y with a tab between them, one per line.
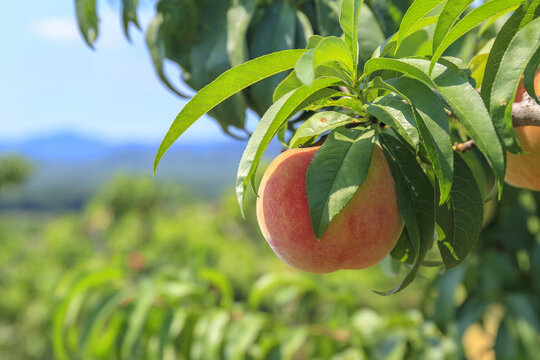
50	81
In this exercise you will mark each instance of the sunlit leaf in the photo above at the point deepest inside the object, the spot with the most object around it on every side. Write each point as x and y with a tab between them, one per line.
349	18
520	50
226	85
270	123
393	112
448	17
471	20
335	174
319	124
416	12
461	96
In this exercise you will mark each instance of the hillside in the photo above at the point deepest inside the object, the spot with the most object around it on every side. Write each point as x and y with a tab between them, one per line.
69	167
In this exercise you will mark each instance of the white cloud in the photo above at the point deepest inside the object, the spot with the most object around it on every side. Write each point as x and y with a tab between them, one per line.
58	29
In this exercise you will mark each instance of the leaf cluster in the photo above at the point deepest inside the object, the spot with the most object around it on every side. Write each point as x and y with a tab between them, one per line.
404	95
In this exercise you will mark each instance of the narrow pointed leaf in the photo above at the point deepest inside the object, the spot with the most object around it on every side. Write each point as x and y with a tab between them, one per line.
305	68
416	202
461	96
318	124
226	85
460	220
399	116
432	125
349	17
519	53
530	74
157	53
416	12
291	82
391	43
471	20
498	49
450	13
335	174
129	15
270	123
87	20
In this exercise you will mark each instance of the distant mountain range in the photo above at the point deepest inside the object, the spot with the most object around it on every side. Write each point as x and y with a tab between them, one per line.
77	165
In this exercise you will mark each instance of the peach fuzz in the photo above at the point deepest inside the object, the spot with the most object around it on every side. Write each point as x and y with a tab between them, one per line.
361	235
524	170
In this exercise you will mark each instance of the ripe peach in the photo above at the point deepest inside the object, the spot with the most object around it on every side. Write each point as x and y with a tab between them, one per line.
361	235
524	170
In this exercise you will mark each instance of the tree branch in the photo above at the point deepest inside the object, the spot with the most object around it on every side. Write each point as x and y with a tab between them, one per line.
524	113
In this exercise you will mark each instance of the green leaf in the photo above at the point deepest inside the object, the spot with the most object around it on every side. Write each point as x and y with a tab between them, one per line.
87	20
391	43
329	51
78	289
304	68
416	12
396	114
239	16
242	336
95	330
304	30
478	68
129	15
270	123
471	20
529	75
460	220
461	97
519	53
349	18
327	12
313	41
275	32
370	35
226	85
404	250
450	13
157	52
348	102
209	333
338	169
137	320
432	124
497	51
416	201
291	82
317	125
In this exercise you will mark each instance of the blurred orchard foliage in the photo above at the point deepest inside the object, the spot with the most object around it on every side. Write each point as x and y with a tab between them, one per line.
145	272
14	170
184	281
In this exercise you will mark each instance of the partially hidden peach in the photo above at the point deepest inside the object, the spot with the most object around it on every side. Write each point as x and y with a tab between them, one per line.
524	170
361	235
